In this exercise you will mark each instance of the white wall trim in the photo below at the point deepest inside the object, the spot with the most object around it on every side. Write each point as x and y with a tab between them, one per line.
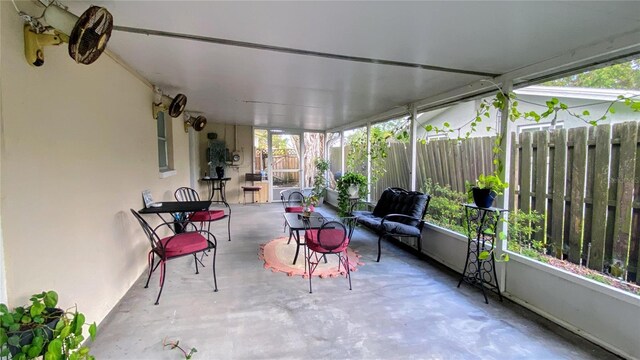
567	326
453	234
580	280
167	173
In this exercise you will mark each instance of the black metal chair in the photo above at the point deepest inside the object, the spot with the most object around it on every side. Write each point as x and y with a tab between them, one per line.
293	202
174	246
332	237
201	217
251	177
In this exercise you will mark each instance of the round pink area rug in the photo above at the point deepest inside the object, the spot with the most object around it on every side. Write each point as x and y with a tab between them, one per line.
278	256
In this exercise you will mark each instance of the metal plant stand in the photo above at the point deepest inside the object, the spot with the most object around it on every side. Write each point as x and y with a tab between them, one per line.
481	235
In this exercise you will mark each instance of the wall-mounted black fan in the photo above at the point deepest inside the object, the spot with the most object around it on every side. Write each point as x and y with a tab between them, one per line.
173	106
87	35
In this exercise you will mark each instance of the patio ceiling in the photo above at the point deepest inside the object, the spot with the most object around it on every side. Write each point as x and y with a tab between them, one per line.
236	84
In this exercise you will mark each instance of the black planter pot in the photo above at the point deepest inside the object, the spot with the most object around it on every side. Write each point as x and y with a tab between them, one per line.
220	172
483	197
26	336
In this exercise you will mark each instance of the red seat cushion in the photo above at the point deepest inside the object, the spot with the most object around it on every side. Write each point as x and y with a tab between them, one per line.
297	209
185	243
330	238
210	215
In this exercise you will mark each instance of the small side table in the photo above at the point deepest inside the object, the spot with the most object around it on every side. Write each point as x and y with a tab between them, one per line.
481	235
217	184
353	202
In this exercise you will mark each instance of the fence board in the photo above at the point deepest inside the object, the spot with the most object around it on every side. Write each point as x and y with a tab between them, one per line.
525	171
578	137
559	185
588	195
432	173
445	161
541	180
626	173
459	168
422	161
429	172
634	252
450	162
486	143
437	165
476	151
600	196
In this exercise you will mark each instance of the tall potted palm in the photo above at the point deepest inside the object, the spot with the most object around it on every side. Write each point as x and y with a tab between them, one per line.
320	179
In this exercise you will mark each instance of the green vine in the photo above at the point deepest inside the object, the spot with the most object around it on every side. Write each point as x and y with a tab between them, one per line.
501	100
380	136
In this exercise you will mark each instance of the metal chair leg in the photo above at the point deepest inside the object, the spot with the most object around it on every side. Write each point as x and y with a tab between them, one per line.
215	281
379	246
151	258
310	271
164	272
346	265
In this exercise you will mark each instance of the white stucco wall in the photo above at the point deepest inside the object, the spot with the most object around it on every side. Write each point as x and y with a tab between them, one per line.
78	146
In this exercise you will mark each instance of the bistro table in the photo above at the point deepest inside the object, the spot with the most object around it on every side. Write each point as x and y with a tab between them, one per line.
297	222
177	209
217	184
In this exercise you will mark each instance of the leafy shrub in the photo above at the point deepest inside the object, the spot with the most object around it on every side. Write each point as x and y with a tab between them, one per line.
522	226
445	207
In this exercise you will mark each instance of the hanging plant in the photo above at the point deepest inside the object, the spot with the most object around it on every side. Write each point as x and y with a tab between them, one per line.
344	199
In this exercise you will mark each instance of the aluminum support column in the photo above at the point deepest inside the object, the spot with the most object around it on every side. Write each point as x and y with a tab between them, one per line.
413	153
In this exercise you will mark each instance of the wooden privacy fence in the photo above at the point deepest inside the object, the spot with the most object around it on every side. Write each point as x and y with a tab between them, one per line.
285	159
397	165
453	162
587	182
447	162
281	159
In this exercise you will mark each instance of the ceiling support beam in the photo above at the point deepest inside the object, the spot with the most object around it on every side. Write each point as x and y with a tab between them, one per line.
613	50
295	51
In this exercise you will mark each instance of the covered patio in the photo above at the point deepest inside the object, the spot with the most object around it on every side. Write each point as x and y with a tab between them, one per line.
80	144
407	306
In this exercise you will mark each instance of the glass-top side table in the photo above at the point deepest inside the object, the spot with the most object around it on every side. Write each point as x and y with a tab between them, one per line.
479	270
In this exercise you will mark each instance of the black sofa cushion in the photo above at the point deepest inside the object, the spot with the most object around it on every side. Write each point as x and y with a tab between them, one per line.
395	201
369	220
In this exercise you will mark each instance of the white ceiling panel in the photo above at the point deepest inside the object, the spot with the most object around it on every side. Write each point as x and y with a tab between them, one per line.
233	84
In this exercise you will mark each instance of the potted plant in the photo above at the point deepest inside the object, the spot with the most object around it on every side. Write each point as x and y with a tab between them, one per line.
320	180
485	190
345	198
308	204
28	332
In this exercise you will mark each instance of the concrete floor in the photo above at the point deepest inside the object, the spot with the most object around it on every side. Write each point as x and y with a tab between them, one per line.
400	308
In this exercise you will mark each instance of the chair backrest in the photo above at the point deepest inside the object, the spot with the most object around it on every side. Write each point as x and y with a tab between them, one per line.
154	239
333	235
251	177
291	197
186	194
